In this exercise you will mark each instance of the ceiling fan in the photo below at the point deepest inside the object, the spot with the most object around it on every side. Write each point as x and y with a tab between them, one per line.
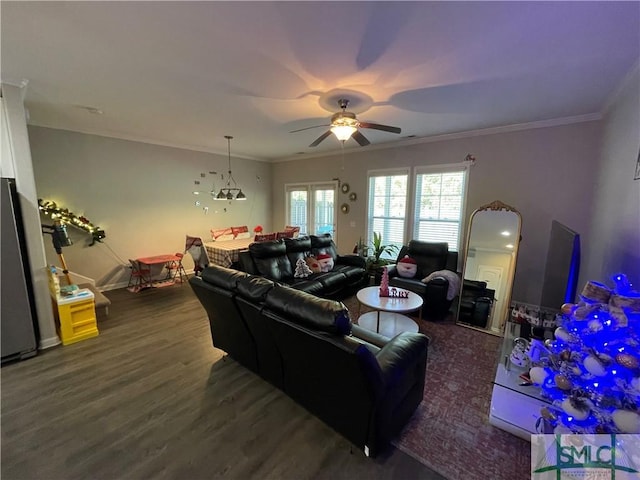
344	125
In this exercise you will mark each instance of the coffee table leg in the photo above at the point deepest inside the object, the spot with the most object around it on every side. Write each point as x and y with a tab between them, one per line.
378	322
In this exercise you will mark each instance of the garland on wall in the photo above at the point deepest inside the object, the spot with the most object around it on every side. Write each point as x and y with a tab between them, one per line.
65	216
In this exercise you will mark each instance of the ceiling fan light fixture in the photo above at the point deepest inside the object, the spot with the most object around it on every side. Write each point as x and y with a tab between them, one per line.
343	132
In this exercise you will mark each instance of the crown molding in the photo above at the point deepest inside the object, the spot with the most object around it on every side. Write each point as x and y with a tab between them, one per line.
589	117
622	86
349	151
150	141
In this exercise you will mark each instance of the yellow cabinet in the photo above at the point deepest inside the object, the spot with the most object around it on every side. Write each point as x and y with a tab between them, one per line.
76	316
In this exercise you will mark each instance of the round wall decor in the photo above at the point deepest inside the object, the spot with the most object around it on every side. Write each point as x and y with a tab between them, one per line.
344	208
345	188
353	197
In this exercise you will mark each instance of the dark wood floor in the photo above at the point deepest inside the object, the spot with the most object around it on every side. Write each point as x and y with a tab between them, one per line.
151	398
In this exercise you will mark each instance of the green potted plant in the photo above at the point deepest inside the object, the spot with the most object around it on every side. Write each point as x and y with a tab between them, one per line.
375	262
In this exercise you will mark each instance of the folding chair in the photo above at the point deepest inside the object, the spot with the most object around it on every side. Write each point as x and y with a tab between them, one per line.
176	269
196	249
140	276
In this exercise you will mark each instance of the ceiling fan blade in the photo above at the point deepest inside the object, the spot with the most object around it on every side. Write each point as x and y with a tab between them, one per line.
320	138
308	128
360	138
377	126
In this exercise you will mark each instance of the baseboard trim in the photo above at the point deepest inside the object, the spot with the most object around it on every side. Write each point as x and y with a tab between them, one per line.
123	284
49	342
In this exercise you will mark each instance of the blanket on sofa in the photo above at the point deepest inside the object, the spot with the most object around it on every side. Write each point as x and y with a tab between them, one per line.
453	279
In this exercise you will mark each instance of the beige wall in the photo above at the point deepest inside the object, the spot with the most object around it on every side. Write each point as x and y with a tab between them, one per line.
546	173
614	239
141	195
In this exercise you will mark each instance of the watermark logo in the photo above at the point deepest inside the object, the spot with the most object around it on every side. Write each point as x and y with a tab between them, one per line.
585	457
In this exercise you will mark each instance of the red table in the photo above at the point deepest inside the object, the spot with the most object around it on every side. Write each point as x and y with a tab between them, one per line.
164	261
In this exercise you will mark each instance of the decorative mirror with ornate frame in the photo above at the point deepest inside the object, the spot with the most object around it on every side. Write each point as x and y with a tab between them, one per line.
489	267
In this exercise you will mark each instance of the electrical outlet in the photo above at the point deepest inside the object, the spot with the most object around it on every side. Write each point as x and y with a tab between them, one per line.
352	224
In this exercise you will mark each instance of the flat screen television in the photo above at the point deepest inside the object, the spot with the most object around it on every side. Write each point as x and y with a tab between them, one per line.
561	268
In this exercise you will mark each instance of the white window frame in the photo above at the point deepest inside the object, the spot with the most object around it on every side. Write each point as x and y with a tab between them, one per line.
435	169
311	188
388	172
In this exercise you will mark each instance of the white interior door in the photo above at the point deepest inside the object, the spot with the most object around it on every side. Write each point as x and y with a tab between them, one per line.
493	276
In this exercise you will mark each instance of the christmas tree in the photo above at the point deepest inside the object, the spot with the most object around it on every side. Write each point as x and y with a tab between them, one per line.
384	283
591	369
302	269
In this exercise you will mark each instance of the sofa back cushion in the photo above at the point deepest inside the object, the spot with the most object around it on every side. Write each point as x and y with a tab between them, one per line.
297	248
310	311
324	244
254	289
270	259
222	277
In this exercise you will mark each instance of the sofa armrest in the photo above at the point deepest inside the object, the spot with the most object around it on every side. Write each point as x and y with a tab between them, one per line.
401	356
352	261
369	336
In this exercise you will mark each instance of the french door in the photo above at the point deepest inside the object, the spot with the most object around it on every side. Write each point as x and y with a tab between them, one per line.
311	206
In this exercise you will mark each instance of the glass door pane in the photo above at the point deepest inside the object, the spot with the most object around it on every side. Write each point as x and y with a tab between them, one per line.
324	210
298	210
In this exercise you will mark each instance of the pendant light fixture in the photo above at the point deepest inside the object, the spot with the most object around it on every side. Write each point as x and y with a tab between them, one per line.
229	192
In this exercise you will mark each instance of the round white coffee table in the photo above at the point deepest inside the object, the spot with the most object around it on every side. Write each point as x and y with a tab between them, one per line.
387	318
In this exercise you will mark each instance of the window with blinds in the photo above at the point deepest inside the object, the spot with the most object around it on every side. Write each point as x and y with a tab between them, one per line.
387	207
439	203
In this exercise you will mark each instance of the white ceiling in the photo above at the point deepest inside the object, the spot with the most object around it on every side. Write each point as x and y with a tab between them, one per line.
188	73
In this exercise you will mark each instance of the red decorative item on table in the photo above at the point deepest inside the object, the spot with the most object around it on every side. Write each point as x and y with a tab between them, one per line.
258	229
384	283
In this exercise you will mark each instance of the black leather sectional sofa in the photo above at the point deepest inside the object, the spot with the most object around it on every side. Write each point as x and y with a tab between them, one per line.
276	260
363	385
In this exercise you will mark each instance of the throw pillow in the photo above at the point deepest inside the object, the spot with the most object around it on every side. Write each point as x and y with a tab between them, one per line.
313	264
326	262
302	269
407	267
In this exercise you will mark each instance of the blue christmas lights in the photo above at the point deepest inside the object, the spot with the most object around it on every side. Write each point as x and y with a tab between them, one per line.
592	373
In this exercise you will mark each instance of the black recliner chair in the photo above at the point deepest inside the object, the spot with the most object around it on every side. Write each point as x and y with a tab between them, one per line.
430	257
475	303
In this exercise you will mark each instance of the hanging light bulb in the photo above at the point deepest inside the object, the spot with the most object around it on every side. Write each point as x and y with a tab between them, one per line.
343	132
